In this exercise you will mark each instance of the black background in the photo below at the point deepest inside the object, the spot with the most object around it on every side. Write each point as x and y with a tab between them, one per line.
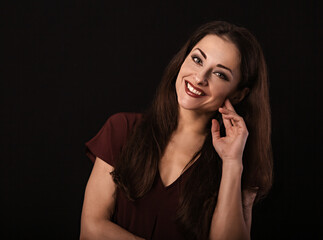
69	65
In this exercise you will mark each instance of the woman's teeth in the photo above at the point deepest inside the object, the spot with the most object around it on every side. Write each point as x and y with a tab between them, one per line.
193	90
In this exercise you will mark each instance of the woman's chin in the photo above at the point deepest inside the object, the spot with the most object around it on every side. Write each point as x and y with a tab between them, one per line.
189	106
199	109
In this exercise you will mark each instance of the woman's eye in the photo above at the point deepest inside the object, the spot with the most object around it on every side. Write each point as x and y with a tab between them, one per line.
221	75
197	60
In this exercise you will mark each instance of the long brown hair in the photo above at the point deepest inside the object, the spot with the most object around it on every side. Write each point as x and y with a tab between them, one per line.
135	172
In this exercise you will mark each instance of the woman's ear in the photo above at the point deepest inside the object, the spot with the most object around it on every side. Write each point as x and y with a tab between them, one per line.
239	95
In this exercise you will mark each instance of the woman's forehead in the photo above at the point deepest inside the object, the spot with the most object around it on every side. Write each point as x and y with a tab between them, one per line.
219	49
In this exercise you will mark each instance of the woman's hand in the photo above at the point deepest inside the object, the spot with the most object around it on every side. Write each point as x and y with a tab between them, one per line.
230	148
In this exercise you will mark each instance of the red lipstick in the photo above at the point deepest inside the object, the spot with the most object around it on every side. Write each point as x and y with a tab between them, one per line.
192	94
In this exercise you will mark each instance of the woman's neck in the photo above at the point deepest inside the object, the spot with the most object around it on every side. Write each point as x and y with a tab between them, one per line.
192	123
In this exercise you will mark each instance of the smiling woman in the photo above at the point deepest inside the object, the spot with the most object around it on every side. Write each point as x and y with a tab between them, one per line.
185	169
214	66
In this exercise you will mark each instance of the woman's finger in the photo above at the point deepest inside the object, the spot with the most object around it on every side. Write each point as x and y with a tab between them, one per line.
227	122
225	110
236	121
215	130
234	118
228	105
229	114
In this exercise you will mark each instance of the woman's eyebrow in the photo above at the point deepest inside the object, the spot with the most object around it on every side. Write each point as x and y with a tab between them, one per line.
218	65
203	54
221	66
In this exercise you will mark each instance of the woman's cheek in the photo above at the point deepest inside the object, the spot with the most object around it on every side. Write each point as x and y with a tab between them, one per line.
221	100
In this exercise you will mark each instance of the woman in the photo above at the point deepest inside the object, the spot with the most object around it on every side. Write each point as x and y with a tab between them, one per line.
192	166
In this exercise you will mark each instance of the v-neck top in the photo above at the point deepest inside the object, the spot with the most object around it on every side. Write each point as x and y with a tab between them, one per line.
154	215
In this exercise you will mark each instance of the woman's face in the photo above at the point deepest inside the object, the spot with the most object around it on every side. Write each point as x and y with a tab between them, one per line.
209	74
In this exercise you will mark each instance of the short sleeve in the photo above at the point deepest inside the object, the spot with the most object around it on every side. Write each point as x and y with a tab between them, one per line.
108	142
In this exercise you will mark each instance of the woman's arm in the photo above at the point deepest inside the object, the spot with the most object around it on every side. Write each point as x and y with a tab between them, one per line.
232	199
229	220
98	206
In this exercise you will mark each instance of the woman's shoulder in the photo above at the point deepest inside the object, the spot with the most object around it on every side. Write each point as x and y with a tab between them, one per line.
123	122
125	116
124	119
108	142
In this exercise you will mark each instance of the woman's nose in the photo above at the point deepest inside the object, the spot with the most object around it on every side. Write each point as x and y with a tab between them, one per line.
201	79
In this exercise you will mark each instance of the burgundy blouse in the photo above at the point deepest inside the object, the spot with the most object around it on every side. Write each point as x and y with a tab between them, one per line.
153	216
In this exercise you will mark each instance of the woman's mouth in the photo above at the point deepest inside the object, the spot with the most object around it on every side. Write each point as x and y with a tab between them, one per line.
193	91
